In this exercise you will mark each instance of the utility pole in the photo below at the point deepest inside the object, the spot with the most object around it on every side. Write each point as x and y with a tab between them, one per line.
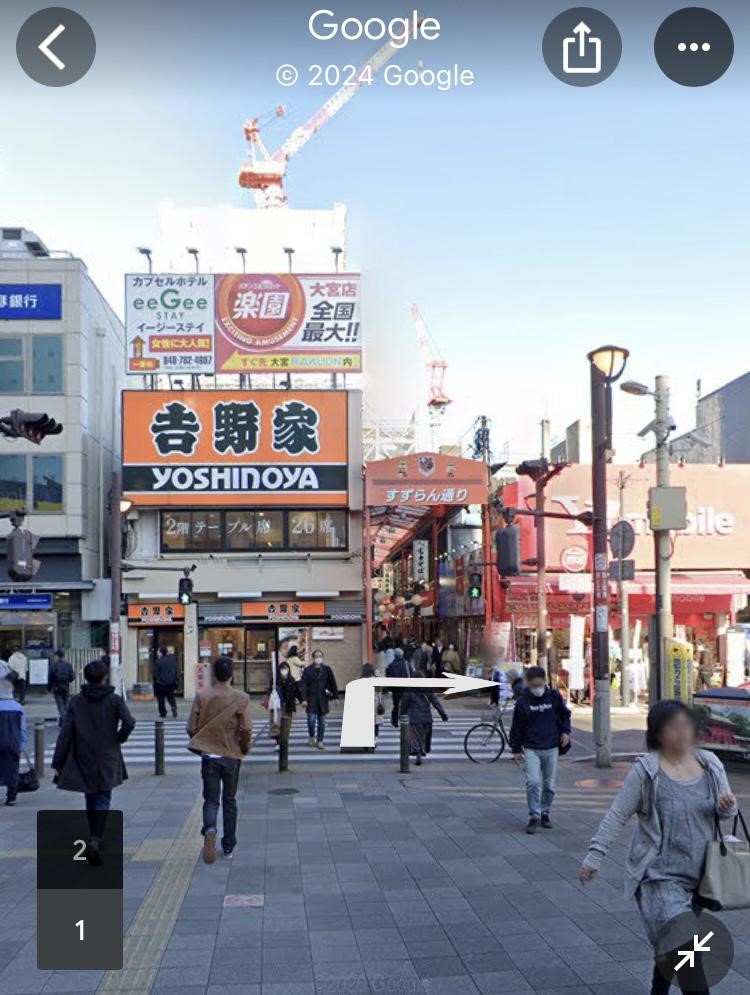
624	606
542	654
115	572
662	547
486	454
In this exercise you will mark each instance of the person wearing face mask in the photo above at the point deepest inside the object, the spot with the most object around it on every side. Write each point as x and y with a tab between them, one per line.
540	730
318	687
287	688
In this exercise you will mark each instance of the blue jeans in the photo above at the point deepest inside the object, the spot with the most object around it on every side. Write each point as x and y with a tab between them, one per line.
540	767
316	719
221	776
97	806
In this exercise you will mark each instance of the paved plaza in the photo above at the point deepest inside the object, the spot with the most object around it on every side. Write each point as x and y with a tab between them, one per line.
352	878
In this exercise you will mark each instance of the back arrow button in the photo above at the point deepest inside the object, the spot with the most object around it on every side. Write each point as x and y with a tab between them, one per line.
74	46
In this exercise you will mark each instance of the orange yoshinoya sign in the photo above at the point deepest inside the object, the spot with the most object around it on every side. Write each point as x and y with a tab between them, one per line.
425	479
234	447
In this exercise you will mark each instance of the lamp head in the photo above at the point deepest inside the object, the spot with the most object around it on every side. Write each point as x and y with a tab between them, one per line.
610	361
635	388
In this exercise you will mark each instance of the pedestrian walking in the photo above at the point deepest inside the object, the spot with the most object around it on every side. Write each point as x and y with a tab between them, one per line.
705	662
399	667
677	791
421	657
220	730
60	676
296	666
418	705
318	688
539	731
436	662
451	660
19	662
288	690
369	671
88	754
13	733
165	681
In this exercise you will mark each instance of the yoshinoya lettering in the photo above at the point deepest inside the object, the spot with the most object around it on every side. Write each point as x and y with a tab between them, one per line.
265	478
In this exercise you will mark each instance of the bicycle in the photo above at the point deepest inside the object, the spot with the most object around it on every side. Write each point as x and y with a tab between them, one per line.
486	741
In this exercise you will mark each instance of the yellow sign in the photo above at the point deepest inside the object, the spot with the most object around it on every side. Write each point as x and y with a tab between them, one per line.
679	668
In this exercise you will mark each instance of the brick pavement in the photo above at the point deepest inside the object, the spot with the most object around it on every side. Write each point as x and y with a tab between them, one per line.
372	882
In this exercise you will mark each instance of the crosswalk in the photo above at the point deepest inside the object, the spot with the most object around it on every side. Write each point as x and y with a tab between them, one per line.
447	743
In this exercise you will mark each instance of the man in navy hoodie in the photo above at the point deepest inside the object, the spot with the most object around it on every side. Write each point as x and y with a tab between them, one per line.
540	728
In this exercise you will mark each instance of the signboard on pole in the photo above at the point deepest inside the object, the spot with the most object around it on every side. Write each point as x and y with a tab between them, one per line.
233	447
292	323
169	323
622	539
421	561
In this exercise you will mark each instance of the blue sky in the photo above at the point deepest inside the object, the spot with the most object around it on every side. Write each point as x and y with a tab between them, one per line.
530	220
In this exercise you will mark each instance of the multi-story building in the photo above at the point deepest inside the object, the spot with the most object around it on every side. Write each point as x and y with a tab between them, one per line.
61	352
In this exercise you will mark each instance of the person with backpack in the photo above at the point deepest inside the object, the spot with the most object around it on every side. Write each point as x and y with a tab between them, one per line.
539	731
59	678
88	752
13	733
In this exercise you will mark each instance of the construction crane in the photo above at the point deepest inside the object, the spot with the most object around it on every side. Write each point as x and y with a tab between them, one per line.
437	400
264	172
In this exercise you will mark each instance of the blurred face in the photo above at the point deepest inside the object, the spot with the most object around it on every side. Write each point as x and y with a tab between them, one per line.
677	735
536	686
318	659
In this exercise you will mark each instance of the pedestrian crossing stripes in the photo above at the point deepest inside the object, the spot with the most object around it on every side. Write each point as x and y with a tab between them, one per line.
447	743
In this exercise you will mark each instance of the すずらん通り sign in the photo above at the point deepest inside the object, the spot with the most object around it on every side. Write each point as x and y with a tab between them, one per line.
268	447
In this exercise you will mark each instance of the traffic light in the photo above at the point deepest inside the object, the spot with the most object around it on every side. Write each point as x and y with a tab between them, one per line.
20	562
185	591
31	425
475	586
508	550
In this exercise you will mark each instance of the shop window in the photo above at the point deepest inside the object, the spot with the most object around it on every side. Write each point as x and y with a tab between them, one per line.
269	529
47	483
47	364
317	529
12	482
196	531
11	365
240	526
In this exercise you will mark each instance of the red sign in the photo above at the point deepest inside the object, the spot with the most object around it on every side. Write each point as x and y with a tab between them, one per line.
283	610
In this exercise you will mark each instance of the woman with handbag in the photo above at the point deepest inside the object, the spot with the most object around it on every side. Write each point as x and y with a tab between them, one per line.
677	791
13	733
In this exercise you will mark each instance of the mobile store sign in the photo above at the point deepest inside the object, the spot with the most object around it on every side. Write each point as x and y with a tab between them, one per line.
30	301
239	448
243	323
169	323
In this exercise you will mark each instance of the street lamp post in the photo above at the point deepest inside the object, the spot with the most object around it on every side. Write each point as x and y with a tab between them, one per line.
194	253
241	252
607	365
147	253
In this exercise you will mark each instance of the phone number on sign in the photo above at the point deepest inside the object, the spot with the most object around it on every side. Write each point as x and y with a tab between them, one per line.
446	78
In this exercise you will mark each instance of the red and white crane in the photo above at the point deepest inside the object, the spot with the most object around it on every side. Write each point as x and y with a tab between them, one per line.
437	400
264	172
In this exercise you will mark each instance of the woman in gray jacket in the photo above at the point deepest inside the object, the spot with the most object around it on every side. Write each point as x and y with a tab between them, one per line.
677	791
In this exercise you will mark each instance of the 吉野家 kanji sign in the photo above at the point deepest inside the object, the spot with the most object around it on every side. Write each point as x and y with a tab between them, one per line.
165	613
195	448
169	323
243	323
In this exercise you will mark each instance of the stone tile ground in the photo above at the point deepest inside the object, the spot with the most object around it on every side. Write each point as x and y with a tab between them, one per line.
373	882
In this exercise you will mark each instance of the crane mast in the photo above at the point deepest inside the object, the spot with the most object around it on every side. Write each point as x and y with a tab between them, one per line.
437	400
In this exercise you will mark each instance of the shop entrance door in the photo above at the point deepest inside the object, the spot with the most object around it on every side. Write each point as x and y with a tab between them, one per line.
149	641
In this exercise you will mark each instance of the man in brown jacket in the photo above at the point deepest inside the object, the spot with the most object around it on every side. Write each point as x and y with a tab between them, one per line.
220	731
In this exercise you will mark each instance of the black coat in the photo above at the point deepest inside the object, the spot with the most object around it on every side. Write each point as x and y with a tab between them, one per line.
289	693
165	670
60	675
87	756
318	686
418	706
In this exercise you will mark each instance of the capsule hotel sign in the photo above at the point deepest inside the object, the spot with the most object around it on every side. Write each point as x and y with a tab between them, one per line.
239	448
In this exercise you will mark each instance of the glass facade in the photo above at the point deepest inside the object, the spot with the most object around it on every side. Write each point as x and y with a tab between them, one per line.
244	530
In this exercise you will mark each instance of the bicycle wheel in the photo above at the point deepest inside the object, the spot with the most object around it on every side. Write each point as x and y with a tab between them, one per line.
484	743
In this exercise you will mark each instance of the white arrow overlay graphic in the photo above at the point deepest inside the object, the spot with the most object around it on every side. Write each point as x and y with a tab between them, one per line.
44	47
358	725
688	956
